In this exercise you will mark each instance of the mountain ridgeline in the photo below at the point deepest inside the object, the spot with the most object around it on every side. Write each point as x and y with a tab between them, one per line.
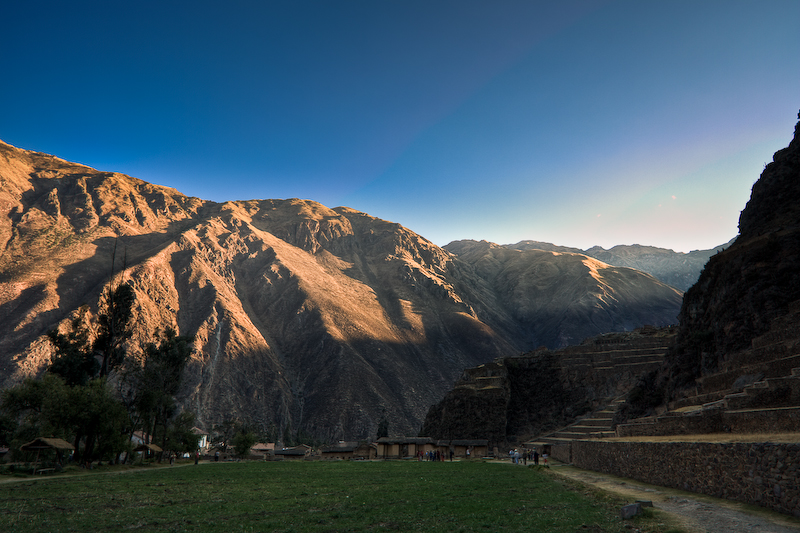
306	319
677	269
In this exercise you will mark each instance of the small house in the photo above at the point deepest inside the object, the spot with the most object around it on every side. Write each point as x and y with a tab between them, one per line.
203	442
350	450
402	447
263	449
294	453
339	451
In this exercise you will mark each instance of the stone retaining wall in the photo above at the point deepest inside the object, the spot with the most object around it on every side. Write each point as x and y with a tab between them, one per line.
758	473
776	420
561	452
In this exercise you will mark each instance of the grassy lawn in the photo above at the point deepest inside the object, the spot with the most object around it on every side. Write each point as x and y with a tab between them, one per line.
310	497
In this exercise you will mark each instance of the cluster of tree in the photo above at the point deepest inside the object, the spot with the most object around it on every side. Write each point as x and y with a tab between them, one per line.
96	395
237	437
233	435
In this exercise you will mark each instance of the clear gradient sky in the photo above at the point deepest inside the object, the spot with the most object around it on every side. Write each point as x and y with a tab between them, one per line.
572	122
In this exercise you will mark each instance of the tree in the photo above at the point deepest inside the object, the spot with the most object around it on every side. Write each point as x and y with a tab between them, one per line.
94	416
98	418
180	437
8	426
114	327
157	381
383	429
33	408
74	360
87	414
224	433
383	425
114	322
243	441
89	407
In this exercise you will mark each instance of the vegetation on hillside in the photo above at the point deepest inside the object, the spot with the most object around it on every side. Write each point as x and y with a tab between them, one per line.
96	395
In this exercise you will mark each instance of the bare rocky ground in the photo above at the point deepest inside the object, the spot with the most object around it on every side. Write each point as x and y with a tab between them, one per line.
693	512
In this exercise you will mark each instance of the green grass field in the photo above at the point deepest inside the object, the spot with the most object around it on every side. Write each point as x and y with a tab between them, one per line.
310	497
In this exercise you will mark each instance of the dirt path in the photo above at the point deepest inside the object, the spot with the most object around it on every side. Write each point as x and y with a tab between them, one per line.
83	473
693	512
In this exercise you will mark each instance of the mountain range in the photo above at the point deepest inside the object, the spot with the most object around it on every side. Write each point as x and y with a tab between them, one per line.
678	269
309	319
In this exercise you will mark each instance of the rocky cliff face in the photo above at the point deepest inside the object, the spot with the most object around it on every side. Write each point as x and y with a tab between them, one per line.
320	320
744	288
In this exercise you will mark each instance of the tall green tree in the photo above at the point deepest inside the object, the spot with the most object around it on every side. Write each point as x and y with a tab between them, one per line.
224	433
95	416
74	360
36	407
180	437
114	327
156	382
8	426
98	418
76	357
91	409
88	415
242	441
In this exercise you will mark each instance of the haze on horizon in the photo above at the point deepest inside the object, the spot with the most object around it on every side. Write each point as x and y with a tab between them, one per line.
579	123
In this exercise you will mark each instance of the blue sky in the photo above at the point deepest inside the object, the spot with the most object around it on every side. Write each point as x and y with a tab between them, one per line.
572	122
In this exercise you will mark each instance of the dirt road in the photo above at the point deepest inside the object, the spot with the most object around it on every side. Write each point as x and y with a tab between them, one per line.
693	512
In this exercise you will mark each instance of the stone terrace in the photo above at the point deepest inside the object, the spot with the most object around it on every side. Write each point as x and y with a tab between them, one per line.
754	391
614	362
720	438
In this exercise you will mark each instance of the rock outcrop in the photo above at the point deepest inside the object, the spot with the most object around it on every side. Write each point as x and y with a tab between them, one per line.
744	295
744	288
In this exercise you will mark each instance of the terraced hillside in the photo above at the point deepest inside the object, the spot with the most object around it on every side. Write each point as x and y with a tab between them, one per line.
513	398
756	390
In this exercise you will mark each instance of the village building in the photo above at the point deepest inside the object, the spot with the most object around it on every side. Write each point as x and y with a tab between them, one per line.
203	442
411	447
470	449
403	447
443	447
263	449
140	437
350	450
295	453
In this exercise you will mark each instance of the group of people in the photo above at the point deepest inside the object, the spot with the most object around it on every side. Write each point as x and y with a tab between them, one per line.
433	455
523	457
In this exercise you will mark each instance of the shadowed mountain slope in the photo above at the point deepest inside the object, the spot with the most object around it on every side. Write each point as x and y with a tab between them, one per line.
562	298
314	319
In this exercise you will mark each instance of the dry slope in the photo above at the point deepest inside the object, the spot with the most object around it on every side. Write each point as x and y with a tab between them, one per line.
316	319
